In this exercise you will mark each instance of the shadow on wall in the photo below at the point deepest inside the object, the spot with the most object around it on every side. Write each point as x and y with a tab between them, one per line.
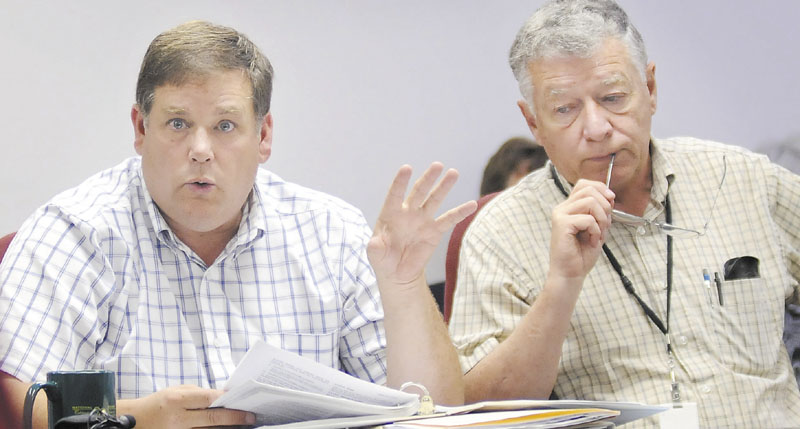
785	152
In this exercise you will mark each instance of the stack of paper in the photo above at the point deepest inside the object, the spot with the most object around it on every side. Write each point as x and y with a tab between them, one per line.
288	391
280	387
542	418
625	411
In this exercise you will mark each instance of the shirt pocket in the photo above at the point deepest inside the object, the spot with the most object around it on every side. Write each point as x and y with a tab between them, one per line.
749	323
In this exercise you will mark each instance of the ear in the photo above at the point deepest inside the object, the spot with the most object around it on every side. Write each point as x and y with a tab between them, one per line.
650	73
137	119
530	118
265	144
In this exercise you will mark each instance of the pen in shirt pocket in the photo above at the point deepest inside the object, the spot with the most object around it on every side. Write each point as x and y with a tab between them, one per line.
707	283
718	282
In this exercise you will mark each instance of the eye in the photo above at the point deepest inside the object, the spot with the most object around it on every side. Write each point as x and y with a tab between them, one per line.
563	110
226	126
616	102
613	98
177	124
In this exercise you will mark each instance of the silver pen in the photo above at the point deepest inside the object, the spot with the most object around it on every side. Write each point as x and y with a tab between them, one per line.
610	167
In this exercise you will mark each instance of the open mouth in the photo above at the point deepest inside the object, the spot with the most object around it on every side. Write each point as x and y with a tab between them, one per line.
200	185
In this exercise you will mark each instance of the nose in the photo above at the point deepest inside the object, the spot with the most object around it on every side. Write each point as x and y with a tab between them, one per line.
200	147
596	126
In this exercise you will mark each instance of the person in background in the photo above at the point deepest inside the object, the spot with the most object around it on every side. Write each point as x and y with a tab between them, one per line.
166	268
515	158
633	268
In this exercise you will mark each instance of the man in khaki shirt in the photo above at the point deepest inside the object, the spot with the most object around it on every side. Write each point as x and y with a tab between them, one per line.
599	283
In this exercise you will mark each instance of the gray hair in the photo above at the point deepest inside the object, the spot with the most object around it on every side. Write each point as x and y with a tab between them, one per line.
572	28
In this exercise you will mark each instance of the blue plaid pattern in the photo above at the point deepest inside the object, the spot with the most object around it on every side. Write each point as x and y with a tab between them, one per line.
96	279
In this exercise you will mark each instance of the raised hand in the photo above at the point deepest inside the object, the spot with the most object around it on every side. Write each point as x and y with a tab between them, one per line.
407	231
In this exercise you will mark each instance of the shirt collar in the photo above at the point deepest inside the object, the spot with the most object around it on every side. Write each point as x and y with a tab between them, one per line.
662	171
159	224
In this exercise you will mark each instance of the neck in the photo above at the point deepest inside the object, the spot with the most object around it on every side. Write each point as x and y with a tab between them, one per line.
634	197
208	245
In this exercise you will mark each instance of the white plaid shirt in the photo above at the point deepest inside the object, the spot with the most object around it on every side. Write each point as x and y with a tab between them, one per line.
96	279
730	358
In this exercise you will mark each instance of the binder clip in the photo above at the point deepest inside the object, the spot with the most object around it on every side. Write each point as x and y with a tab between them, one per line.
426	406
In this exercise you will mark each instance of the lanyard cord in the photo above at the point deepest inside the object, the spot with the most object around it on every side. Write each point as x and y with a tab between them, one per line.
626	283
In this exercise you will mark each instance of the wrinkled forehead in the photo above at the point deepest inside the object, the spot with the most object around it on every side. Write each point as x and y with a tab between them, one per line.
610	65
555	88
220	93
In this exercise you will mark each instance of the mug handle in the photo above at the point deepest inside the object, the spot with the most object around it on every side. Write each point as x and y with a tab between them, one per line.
53	395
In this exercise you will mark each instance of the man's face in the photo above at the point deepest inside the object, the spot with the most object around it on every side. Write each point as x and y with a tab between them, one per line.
588	108
201	147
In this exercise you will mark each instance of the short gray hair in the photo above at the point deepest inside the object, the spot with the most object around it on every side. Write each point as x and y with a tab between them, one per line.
572	28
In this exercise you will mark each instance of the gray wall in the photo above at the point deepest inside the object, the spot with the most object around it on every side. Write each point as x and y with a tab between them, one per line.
363	86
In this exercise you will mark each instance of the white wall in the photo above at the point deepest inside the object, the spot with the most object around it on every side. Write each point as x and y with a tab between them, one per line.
363	86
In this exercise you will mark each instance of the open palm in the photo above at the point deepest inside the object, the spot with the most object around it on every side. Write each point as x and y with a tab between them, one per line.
407	231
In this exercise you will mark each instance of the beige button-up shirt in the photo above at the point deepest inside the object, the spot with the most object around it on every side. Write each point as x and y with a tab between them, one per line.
729	353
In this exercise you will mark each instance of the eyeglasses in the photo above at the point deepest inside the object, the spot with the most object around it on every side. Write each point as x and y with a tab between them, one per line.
666	228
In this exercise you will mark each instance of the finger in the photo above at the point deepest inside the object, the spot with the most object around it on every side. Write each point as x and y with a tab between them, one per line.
423	185
580	201
584	224
440	191
194	397
376	249
455	215
212	417
601	212
397	190
590	203
591	211
584	184
589	240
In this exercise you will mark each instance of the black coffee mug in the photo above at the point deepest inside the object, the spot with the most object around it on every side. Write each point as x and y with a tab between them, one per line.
71	393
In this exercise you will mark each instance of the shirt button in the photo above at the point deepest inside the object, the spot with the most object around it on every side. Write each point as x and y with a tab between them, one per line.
705	388
219	342
683	340
641	230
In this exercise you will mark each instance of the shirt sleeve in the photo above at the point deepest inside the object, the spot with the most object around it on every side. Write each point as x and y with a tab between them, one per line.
784	195
52	298
362	339
493	290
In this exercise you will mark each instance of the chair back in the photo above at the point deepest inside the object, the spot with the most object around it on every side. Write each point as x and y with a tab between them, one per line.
451	260
4	242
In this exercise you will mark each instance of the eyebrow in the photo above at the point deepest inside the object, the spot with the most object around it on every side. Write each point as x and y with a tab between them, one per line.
175	110
554	92
614	79
224	110
229	110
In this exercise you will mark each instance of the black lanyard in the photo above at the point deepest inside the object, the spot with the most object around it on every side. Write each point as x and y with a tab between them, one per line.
626	283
